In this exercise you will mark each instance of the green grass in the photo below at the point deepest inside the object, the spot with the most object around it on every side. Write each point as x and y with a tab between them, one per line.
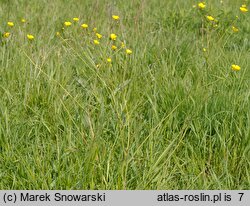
169	116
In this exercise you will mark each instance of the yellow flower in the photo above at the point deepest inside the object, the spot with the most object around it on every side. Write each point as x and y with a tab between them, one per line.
109	60
235	67
23	20
75	19
67	23
115	17
235	29
243	9
10	23
244	6
204	49
30	36
96	42
85	26
6	34
113	36
95	29
210	18
128	51
113	47
201	5
122	45
99	36
58	33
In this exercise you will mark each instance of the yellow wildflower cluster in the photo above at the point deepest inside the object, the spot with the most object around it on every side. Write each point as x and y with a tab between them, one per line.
11	24
104	49
107	46
212	21
97	39
243	9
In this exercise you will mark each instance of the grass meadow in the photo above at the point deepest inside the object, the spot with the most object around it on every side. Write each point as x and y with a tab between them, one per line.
77	113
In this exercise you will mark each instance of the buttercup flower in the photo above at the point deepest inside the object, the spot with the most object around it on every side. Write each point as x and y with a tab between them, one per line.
30	36
67	23
113	47
6	34
235	29
115	17
243	8
128	51
99	36
58	33
95	29
23	20
109	60
85	26
96	42
113	37
75	19
210	18
235	67
202	5
10	23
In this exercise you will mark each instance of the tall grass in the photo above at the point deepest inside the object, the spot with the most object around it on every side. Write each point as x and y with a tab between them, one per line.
169	116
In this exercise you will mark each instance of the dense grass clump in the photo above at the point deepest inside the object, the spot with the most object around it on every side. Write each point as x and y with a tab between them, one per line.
77	113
